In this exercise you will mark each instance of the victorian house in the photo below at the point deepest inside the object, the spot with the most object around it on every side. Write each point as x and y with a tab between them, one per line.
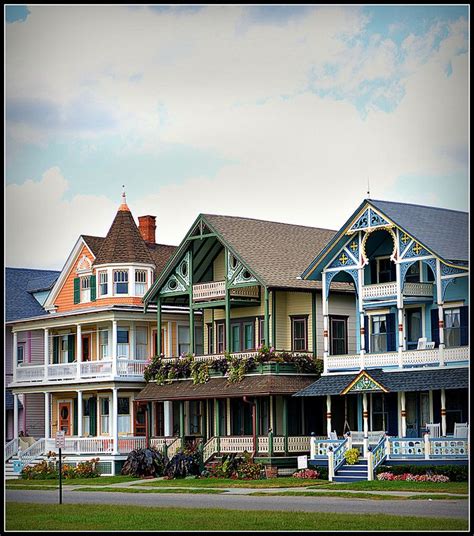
404	392
83	360
242	275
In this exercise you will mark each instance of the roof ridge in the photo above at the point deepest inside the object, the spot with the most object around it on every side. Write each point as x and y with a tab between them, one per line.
416	205
269	221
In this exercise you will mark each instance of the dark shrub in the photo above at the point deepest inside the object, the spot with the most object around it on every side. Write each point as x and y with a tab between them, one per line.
182	465
144	462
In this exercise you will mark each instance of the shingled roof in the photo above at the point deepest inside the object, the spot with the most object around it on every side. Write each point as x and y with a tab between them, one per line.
276	252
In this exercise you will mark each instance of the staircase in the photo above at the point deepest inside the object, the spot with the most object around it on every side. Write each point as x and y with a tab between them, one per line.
10	474
352	473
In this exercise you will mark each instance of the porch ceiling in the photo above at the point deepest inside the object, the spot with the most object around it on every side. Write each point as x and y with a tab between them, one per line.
259	385
408	380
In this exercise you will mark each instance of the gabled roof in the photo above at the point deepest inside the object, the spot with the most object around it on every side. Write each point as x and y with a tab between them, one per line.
443	231
161	253
93	243
123	242
20	283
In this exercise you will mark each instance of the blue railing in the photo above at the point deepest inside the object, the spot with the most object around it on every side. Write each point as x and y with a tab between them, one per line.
379	453
339	454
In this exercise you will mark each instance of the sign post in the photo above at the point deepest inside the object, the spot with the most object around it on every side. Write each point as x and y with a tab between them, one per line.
60	443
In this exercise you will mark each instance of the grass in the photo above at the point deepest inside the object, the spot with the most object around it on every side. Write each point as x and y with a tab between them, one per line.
399	485
361	495
98	481
280	482
151	490
68	517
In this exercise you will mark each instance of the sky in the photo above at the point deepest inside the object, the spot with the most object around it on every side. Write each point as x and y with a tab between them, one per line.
283	113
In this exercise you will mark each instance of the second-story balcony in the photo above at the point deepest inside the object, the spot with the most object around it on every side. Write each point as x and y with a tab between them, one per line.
389	290
215	290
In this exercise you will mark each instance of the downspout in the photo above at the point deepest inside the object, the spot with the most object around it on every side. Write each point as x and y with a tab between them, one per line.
254	424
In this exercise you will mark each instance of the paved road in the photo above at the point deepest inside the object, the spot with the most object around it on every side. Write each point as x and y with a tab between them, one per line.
436	508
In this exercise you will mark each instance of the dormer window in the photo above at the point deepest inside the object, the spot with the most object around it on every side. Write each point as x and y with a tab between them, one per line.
85	288
140	282
103	284
121	282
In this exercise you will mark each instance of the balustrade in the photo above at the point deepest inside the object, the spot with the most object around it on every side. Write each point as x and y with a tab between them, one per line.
385	290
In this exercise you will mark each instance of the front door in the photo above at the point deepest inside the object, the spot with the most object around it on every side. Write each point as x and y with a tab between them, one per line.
86	348
411	407
65	417
414	328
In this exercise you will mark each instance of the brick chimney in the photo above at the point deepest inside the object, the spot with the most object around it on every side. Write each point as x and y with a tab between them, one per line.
147	227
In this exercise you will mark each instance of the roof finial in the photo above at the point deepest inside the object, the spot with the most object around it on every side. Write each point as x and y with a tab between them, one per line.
368	188
124	205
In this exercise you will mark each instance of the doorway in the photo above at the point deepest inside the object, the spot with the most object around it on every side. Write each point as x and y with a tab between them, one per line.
86	348
64	419
414	327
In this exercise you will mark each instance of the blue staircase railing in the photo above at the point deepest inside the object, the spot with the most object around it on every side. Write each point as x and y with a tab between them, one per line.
339	454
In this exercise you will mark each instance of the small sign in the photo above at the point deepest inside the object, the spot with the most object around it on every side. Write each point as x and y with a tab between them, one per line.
17	466
60	440
302	462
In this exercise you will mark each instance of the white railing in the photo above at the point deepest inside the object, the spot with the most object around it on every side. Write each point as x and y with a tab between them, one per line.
209	291
31	453
380	290
409	358
96	368
62	371
210	448
448	447
406	447
173	447
82	445
131	367
31	373
373	435
299	443
248	292
11	448
319	447
236	444
127	444
418	289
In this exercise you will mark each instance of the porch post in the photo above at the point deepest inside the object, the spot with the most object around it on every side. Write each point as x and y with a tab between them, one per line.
443	412
439	299
114	348
360	300
271	416
15	356
191	310
365	415
328	414
403	414
228	419
132	339
266	319
15	415
400	315
257	416
78	349
217	424
115	419
46	416
46	349
285	425
79	413
181	422
227	303
313	320
158	329
273	315
168	417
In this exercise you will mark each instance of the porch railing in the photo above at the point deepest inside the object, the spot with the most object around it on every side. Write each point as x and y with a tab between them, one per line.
384	290
34	451
448	447
216	289
320	446
11	448
127	444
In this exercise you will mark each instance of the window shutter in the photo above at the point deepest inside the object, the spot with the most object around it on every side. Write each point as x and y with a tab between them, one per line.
93	287
366	333
74	420
93	416
435	327
391	339
464	311
55	350
71	350
77	290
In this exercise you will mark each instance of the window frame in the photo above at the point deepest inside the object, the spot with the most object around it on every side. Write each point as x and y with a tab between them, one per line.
384	258
299	318
102	273
84	291
372	334
20	347
344	320
457	329
122	281
141	284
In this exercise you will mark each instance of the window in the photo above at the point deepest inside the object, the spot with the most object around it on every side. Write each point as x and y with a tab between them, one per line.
122	342
378	336
183	340
220	327
198	340
195	415
103	343
20	354
123	410
452	325
141	343
103	283
104	415
85	288
386	270
242	335
121	282
86	412
210	339
338	335
140	282
261	331
299	333
379	412
413	274
64	349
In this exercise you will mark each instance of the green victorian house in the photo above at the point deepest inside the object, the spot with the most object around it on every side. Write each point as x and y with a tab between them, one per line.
255	338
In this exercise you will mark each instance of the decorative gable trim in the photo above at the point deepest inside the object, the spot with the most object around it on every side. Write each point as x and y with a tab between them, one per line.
364	382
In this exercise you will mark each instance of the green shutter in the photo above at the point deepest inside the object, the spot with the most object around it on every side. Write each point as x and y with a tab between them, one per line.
74	419
71	350
93	416
93	289
55	350
77	290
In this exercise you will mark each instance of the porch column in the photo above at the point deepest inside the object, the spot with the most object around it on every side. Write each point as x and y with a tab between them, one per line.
328	414
168	411
365	416
15	415
401	341
228	420
158	329
78	349
115	419
441	334
271	416
15	355
217	424
79	413
46	348
325	323
47	424
133	338
114	348
360	301
403	414
285	424
443	412
313	321
266	317
181	421
192	348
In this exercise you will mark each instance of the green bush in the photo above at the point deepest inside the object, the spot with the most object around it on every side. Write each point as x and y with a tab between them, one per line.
352	456
456	473
322	470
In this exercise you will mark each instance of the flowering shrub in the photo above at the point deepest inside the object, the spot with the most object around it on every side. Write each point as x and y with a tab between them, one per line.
352	456
41	471
237	468
46	470
408	477
306	473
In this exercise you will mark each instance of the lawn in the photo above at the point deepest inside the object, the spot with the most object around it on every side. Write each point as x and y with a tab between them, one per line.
360	495
280	482
399	485
68	517
98	481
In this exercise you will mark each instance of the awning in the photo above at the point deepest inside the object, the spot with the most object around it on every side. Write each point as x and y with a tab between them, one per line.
258	385
378	380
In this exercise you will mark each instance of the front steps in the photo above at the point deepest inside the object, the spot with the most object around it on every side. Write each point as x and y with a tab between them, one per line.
10	474
352	473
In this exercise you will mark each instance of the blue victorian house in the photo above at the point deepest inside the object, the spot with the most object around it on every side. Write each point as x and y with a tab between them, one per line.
404	394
